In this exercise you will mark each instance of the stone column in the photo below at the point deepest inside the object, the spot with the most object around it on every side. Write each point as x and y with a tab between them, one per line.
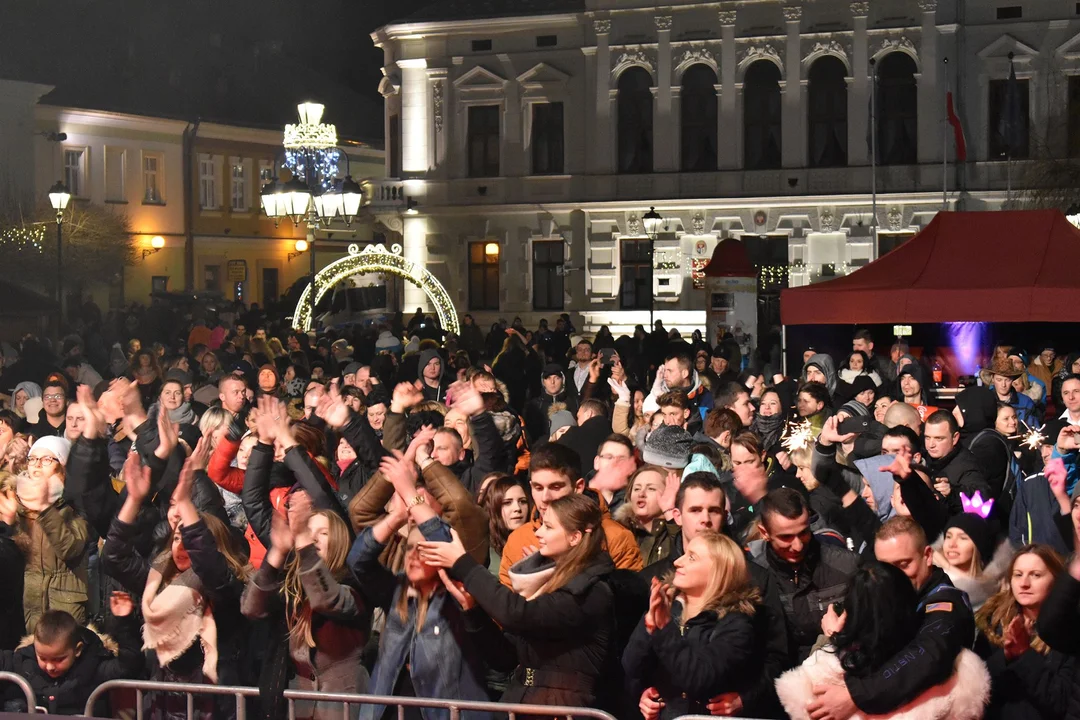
439	113
931	97
664	149
859	91
511	150
730	129
415	123
794	129
603	145
414	248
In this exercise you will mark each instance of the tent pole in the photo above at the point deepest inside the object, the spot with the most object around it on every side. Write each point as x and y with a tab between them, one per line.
783	350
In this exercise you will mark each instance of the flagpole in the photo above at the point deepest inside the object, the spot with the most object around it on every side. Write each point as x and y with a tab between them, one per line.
945	146
873	153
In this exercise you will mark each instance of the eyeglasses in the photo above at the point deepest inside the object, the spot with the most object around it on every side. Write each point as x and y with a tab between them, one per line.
609	456
54	396
44	460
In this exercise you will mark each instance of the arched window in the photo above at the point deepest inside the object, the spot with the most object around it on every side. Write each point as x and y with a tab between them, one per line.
828	113
761	117
635	121
897	110
698	119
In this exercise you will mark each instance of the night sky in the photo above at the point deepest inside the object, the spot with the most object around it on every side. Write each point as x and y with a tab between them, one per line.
242	61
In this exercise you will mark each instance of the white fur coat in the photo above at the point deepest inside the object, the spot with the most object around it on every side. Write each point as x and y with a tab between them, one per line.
982	586
962	697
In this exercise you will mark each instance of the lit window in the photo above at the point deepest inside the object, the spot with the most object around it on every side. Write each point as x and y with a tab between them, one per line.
207	182
75	171
152	178
239	187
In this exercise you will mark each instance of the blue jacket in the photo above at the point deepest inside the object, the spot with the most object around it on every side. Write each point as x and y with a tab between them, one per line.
443	658
1025	409
1033	512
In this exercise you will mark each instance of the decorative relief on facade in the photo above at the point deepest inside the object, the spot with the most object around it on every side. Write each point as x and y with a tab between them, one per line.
437	105
633	57
928	5
663	22
896	218
633	225
832	47
761	52
791	14
828	220
860	9
691	56
892	44
697	223
601	26
726	17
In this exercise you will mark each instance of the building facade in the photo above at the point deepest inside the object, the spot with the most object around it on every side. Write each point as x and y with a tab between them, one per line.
534	144
207	222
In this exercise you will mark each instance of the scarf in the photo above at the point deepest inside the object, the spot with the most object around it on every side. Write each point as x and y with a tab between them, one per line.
29	489
175	617
769	429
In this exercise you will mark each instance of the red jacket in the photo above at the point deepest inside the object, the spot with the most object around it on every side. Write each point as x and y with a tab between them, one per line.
220	467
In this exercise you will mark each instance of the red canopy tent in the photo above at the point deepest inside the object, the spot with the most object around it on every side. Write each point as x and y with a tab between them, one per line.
1001	266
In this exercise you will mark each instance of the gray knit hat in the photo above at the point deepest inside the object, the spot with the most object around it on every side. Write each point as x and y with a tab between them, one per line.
561	419
668	446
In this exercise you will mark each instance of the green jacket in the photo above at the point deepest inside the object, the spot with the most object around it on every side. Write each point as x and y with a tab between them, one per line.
54	543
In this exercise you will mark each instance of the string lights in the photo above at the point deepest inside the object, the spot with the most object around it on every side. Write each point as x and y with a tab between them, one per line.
24	238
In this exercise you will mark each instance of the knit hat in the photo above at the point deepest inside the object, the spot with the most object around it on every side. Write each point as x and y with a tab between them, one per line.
980	532
352	368
978	406
561	419
58	447
699	463
551	369
184	378
668	446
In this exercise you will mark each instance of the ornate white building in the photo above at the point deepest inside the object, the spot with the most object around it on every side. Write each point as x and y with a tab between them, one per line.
530	146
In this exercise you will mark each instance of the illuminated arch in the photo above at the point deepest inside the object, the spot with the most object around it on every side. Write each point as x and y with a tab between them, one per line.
376	258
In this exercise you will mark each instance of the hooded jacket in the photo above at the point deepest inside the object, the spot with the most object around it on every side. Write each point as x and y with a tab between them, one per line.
699	396
825	364
979	408
437	393
1059	625
102	658
536	412
962	696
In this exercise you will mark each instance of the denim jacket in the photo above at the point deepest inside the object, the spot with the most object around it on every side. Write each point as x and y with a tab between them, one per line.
443	657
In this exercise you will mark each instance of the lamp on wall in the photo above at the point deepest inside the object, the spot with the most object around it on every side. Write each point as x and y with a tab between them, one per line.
156	243
301	247
491	249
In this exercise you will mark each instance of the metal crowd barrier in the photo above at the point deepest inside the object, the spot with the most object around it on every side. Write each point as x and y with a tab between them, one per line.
454	706
189	689
31	701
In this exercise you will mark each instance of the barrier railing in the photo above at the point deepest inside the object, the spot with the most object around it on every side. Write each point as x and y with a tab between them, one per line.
240	693
454	706
189	689
31	701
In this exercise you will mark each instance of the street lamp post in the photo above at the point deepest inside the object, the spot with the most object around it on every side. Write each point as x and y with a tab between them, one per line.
652	221
59	197
314	194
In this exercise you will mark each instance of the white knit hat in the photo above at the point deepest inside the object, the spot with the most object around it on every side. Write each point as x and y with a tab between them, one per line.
58	447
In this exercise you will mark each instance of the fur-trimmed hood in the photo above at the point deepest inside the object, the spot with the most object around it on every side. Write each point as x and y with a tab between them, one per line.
107	642
986	583
963	696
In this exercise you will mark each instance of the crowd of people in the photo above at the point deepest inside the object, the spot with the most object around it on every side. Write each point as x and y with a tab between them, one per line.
649	525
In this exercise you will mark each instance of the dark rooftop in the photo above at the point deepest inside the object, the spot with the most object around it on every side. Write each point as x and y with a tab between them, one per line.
480	9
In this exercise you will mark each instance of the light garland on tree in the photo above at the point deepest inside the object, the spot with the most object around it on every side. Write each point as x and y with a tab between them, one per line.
324	163
771	275
25	238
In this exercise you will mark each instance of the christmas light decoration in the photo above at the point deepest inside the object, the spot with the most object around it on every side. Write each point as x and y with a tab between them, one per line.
377	259
24	238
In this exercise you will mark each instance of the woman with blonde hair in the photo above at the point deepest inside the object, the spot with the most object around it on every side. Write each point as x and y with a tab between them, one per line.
697	639
1029	679
558	632
302	581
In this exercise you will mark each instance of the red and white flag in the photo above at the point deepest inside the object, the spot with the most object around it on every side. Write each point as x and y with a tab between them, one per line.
958	129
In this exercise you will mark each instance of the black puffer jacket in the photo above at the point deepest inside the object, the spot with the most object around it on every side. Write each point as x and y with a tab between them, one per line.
691	664
1030	687
964	475
95	664
807	589
1059	625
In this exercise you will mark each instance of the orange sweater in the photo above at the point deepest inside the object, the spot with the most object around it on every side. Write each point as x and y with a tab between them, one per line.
620	545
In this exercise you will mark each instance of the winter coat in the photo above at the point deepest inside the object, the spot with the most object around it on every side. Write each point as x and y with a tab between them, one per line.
962	471
692	663
654	545
621	546
962	696
561	640
808	589
54	543
537	422
101	659
825	364
221	588
443	657
1059	626
437	393
1038	370
340	622
773	652
986	583
1032	686
1034	514
700	397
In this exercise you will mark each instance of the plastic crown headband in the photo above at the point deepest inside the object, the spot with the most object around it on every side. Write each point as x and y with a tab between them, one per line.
976	505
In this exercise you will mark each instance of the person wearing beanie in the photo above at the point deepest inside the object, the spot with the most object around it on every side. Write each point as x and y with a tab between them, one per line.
554	389
911	388
857	396
975	412
560	419
974	555
668	446
54	536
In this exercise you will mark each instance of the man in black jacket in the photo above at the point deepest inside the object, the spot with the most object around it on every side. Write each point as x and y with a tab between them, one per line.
700	506
809	574
537	421
953	469
947	627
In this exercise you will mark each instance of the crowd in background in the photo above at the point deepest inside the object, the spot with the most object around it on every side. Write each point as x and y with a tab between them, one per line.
651	525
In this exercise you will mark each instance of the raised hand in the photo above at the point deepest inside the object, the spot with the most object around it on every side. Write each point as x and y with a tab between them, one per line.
619	386
401	473
136	477
406	396
95	423
442	554
831	436
615	476
1017	638
9	507
651	704
594	369
168	435
467	400
900	467
266	423
333	411
671	490
299	513
185	483
1068	439
200	456
457	591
